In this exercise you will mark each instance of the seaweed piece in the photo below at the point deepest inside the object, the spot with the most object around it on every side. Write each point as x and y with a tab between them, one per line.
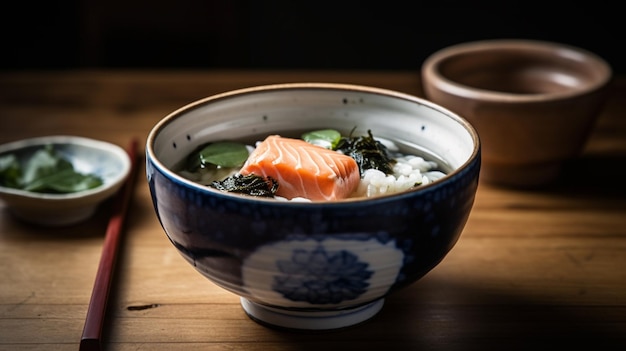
368	153
250	184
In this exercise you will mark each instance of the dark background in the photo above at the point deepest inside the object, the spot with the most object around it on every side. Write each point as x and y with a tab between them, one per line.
345	35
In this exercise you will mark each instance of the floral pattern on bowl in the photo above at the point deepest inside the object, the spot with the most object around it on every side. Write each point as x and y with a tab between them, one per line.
328	272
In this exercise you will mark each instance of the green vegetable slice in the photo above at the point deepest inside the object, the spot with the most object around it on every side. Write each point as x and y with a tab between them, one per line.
327	138
226	154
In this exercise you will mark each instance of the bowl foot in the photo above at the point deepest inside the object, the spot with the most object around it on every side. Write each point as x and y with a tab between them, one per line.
310	320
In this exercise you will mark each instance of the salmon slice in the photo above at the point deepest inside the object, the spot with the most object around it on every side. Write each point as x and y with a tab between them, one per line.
304	170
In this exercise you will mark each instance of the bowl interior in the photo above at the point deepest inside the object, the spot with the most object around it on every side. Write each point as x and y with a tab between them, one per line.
415	125
522	67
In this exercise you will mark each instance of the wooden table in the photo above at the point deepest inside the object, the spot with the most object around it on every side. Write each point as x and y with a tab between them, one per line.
532	268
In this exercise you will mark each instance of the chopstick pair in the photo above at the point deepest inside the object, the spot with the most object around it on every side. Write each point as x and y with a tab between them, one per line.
92	332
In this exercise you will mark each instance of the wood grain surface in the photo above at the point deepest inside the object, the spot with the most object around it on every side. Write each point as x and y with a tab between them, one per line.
542	268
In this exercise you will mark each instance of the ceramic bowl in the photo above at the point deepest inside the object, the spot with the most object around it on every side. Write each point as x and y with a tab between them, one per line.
88	156
533	103
313	265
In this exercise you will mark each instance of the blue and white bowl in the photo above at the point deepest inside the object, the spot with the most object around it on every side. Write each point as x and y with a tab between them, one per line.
313	265
90	156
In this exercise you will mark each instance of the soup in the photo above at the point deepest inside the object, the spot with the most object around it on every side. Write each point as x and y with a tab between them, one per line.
321	165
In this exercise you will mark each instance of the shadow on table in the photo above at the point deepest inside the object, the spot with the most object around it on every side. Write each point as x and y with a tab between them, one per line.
412	319
94	226
590	177
594	175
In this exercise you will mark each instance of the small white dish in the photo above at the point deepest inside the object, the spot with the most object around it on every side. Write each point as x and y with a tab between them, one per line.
89	156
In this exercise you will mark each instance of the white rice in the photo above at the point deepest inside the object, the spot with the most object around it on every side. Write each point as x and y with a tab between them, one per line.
409	171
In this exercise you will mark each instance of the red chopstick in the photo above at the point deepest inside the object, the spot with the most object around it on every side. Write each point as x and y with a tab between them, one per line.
92	332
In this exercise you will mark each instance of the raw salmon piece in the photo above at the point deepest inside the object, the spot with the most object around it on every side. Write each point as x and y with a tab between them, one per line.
304	170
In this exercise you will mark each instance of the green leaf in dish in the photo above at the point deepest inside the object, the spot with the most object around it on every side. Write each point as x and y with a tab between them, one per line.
10	171
327	138
64	181
42	163
45	172
225	154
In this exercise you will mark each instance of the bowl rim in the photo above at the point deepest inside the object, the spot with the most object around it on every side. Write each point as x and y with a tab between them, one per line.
76	140
151	157
432	75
